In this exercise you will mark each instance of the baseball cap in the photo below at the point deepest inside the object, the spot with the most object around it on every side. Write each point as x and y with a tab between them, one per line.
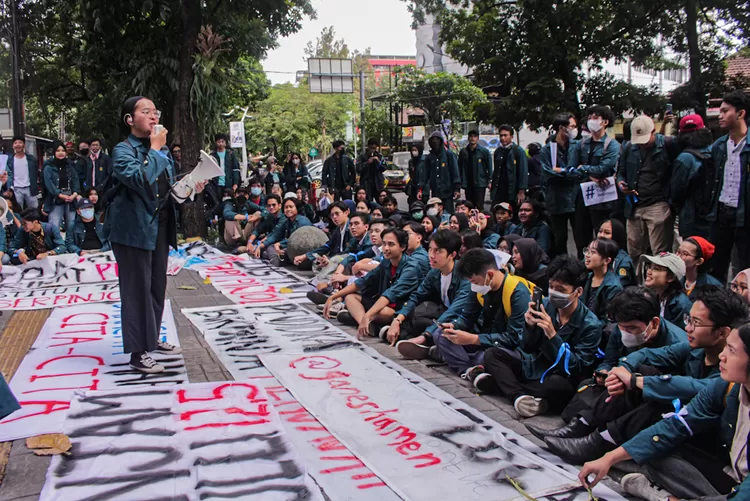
416	206
290	195
691	122
641	129
705	247
504	206
434	201
83	203
670	261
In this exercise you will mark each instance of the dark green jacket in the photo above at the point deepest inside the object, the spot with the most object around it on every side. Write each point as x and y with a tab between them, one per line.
681	366
231	168
417	176
33	173
334	246
703	279
676	309
422	260
76	235
357	251
540	231
518	172
459	293
396	289
51	175
597	300
443	178
663	154
339	173
719	153
582	333
268	224
624	268
52	239
560	188
131	216
590	159
615	352
690	191
481	167
284	230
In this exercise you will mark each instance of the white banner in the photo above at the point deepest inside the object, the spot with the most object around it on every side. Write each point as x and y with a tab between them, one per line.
423	449
12	298
80	348
594	193
61	271
190	442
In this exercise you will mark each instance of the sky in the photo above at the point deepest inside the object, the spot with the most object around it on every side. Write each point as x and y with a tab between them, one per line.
382	25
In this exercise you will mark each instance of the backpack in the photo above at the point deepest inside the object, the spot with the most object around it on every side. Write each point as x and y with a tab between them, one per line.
511	281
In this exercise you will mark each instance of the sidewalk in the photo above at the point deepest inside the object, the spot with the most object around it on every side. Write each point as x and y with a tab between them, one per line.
25	473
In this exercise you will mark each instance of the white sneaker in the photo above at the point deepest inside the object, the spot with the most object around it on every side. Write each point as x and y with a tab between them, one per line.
335	309
167	348
637	484
147	365
528	406
383	334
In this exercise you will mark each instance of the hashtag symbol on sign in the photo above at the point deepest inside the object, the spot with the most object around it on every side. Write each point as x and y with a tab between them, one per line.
589	192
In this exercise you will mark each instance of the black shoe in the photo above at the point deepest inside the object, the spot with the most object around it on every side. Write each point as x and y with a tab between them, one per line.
146	364
575	429
346	318
317	297
485	383
435	355
579	450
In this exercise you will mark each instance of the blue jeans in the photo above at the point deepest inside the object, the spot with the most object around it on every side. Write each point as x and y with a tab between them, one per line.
458	357
60	212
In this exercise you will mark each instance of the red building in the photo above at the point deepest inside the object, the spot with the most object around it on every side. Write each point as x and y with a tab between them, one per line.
383	67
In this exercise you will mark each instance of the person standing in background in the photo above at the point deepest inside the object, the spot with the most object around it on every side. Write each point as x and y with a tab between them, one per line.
23	175
511	170
475	167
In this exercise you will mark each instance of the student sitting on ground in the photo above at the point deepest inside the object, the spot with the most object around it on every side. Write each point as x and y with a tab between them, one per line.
37	240
507	242
531	262
458	222
415	250
436	208
623	266
664	274
86	235
237	215
442	295
372	301
739	284
480	222
647	381
638	325
504	299
336	245
696	252
470	239
531	215
602	285
270	220
558	347
719	411
275	244
503	213
464	207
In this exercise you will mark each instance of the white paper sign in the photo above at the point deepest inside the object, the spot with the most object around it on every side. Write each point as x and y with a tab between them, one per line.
189	442
236	134
206	169
594	193
80	348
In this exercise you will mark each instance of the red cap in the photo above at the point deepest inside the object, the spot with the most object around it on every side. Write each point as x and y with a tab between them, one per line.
707	248
691	122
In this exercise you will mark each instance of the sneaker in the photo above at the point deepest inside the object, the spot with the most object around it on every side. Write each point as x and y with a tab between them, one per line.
346	318
485	383
528	406
435	354
412	351
637	484
472	373
383	333
335	308
317	297
167	348
147	365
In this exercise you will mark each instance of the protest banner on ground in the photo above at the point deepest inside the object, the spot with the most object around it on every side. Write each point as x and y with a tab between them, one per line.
195	441
79	347
61	271
423	449
52	297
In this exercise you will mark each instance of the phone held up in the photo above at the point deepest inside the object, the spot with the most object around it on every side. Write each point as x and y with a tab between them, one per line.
536	298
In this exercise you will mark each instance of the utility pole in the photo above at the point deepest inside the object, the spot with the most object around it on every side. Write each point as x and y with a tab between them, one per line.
362	108
19	123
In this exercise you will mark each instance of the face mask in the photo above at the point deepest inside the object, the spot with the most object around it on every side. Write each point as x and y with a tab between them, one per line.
84	152
417	216
241	200
481	289
256	191
572	133
295	161
632	340
225	199
585	134
87	213
414	154
559	300
594	124
432	211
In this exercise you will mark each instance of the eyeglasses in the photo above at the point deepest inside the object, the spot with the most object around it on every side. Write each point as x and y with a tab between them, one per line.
153	113
685	254
738	288
589	252
691	321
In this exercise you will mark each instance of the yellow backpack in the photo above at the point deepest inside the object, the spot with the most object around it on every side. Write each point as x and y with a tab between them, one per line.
511	281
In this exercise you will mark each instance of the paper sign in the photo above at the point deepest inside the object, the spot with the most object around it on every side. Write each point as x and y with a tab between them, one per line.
236	134
594	193
206	169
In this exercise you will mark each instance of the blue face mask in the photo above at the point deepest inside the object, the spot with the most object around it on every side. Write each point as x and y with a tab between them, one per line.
255	191
87	213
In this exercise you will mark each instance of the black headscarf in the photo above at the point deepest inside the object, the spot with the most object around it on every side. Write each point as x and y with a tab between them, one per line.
511	239
463	221
533	257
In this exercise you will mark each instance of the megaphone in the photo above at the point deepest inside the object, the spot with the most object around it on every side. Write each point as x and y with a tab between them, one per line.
206	169
4	212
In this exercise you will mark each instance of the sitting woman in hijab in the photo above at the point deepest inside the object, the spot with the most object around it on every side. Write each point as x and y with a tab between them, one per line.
740	284
458	222
622	266
507	242
531	262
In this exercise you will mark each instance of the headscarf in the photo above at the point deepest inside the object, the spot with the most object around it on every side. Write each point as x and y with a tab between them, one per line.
746	293
463	221
511	239
532	255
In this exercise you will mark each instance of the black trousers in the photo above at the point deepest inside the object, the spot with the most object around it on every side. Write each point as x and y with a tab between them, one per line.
507	372
420	319
559	225
143	286
476	196
725	235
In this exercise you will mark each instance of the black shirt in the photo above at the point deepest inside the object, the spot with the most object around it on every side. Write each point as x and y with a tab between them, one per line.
470	167
650	188
91	241
500	181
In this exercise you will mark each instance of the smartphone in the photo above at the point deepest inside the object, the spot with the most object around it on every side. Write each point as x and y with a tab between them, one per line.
669	107
158	128
536	298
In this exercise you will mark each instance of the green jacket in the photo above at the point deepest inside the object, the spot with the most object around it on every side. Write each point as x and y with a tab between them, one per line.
76	235
443	178
284	230
560	188
597	159
397	288
692	188
518	172
597	300
624	268
33	173
231	168
268	224
676	308
357	251
422	261
719	153
616	352
582	333
52	239
51	175
480	164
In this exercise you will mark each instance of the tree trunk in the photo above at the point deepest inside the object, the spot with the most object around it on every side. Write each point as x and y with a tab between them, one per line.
696	82
193	213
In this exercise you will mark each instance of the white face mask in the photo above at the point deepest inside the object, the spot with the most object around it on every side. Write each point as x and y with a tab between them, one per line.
632	340
481	289
585	134
414	154
432	211
87	213
594	124
295	161
572	133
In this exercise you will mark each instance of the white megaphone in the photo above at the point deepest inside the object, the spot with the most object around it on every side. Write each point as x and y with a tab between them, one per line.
4	212
206	169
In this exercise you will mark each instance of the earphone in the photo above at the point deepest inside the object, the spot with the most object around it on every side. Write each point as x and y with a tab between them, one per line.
128	118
